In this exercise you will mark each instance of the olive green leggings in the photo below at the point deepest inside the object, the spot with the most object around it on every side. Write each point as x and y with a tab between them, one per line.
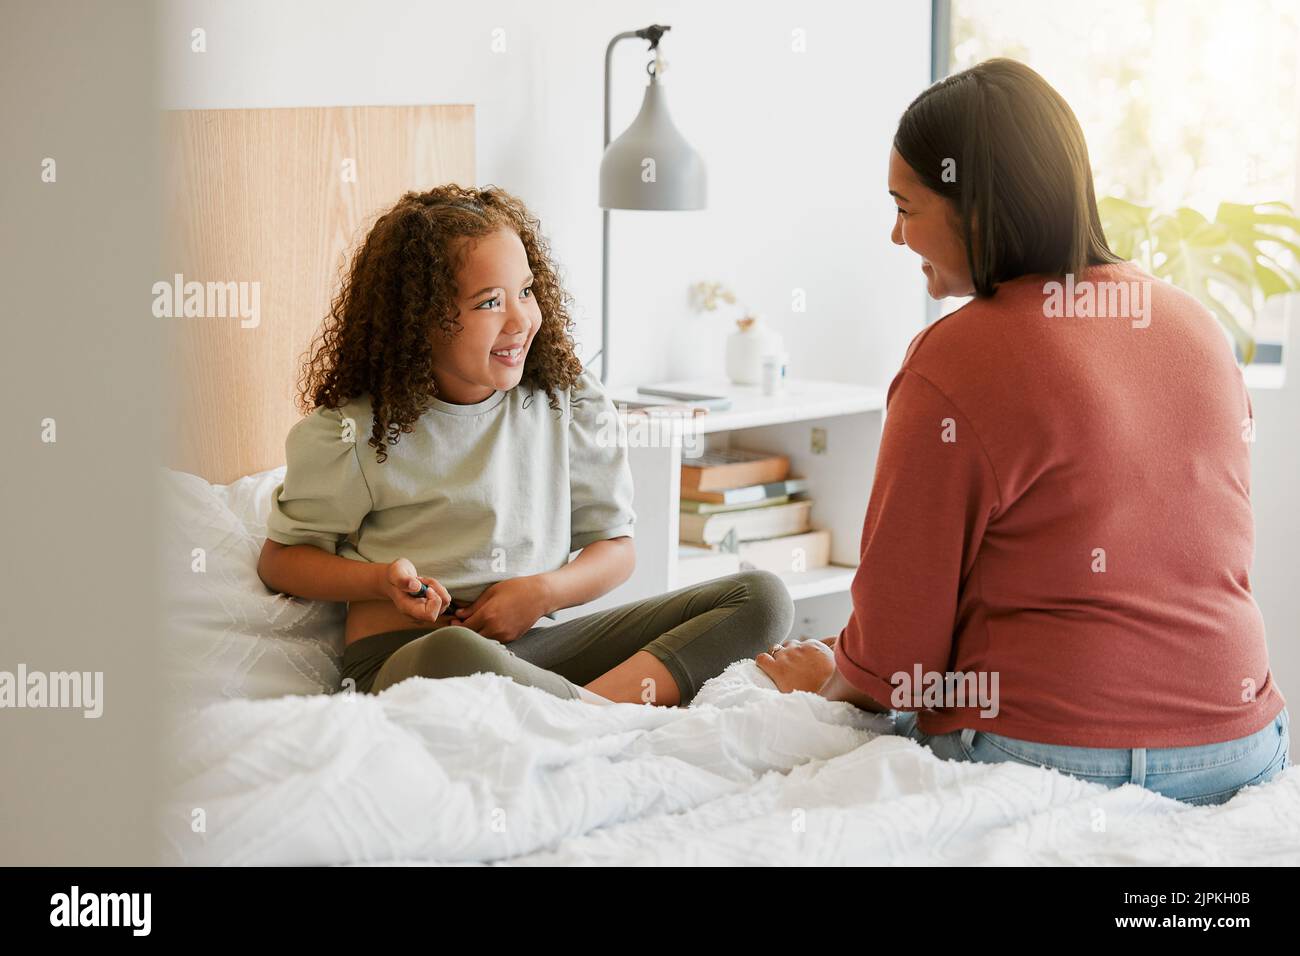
695	631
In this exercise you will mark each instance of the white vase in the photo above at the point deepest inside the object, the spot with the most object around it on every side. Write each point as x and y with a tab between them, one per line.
745	350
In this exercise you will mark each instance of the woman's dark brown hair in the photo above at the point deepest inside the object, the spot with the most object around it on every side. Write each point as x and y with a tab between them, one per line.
1020	180
401	285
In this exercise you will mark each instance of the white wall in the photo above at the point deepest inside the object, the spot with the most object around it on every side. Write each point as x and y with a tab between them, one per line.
1275	494
1275	485
796	146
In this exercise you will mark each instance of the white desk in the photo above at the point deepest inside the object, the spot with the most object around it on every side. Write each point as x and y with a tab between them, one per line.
830	432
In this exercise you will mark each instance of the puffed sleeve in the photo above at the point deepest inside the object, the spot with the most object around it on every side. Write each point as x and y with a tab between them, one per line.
934	494
324	495
600	476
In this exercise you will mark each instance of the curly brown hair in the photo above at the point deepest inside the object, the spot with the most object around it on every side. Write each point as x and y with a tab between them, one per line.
401	283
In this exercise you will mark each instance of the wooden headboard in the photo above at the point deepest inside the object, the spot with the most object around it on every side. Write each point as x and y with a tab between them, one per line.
280	198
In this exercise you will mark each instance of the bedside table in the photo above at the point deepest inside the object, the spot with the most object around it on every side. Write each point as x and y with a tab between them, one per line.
830	432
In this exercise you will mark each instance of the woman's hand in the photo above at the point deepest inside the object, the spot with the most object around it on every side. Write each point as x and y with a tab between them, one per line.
402	585
798	666
507	609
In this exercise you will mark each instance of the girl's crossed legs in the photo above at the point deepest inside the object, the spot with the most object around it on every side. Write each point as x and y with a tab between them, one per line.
660	650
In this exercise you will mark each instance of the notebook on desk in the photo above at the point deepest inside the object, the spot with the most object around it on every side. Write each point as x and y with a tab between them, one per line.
660	408
715	402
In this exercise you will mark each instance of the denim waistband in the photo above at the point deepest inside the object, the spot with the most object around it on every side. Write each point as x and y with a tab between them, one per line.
1195	757
1138	764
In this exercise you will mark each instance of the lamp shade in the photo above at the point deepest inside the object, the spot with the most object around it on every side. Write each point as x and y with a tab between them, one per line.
651	166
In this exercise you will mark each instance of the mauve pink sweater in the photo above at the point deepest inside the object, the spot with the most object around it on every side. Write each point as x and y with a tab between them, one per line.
1065	500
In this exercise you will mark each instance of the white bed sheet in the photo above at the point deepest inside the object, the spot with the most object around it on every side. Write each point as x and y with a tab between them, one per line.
269	767
481	770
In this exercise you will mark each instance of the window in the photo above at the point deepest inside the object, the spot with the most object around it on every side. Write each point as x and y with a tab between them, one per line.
1182	102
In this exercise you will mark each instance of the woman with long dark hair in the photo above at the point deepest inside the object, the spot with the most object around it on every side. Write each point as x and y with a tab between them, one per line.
1056	553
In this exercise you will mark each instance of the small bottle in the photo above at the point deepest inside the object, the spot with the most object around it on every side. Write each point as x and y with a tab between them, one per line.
775	366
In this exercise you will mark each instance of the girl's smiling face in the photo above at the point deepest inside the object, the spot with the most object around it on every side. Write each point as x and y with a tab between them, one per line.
927	224
498	315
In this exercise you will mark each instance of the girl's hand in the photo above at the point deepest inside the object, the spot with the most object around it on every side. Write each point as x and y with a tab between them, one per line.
798	666
507	609
402	586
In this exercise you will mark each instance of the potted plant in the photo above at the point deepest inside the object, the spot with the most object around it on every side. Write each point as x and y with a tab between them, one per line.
1246	255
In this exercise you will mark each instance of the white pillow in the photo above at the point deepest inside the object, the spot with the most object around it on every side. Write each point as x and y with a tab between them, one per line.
226	633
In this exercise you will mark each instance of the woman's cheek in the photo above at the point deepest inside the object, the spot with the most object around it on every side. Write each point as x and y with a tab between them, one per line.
915	241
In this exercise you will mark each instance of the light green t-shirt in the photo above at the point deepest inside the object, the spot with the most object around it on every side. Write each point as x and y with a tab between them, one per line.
474	495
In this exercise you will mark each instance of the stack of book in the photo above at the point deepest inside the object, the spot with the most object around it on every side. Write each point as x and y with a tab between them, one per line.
741	510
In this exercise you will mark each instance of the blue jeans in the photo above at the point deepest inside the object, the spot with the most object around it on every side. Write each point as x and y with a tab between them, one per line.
1202	774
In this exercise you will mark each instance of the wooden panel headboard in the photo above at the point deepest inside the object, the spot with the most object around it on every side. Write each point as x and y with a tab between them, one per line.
280	198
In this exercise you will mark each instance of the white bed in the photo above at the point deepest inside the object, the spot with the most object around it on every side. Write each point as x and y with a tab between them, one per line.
277	769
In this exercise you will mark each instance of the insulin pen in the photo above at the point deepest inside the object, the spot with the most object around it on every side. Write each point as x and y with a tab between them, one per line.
424	589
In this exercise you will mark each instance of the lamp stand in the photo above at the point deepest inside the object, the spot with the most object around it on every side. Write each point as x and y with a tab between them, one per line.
653	33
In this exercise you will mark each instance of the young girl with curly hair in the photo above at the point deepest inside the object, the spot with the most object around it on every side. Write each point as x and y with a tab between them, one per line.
487	464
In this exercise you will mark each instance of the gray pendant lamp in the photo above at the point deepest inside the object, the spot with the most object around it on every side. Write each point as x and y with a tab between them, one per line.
649	167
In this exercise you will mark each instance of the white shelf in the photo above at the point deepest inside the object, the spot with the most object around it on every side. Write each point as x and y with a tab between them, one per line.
832	579
818	581
830	431
802	400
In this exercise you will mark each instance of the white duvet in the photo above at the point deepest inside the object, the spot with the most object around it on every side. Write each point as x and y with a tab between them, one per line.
266	768
480	769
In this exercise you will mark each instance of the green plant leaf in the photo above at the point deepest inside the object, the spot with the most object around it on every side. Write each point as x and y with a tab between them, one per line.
1245	222
1126	225
1241	258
